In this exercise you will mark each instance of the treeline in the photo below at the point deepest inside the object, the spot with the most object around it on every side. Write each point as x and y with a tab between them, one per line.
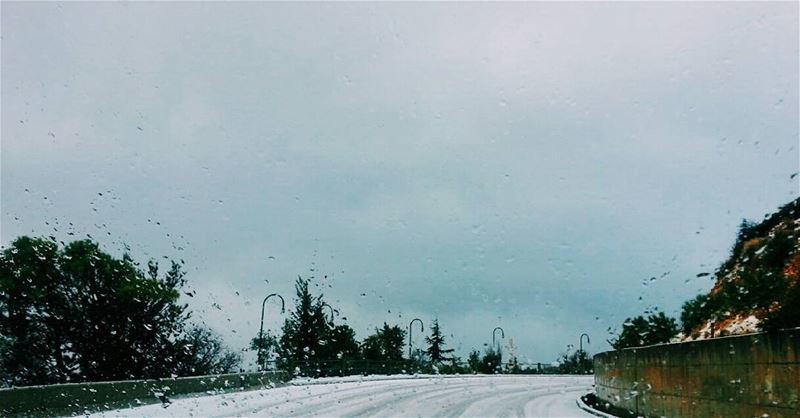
310	344
73	313
761	277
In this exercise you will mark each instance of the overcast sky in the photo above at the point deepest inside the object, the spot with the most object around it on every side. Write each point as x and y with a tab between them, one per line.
529	166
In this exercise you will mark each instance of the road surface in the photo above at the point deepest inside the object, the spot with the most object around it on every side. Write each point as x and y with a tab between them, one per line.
439	396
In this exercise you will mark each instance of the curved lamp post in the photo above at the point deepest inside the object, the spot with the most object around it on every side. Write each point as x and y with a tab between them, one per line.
581	340
333	311
494	332
421	329
261	329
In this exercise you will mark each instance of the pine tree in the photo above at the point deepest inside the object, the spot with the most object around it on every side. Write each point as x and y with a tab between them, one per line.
436	350
492	360
304	334
386	344
265	346
341	344
474	361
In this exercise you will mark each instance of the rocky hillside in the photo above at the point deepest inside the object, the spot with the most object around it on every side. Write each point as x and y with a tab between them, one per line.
758	287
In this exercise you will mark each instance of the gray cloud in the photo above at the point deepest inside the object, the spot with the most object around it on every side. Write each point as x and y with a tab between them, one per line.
524	165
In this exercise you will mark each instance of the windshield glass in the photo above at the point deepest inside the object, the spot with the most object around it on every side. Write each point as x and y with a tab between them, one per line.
290	191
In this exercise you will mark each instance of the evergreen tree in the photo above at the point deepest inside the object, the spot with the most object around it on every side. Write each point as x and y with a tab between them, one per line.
640	331
661	328
384	350
386	344
265	348
342	344
633	333
372	347
301	345
454	366
696	312
393	342
578	362
513	366
436	350
474	361
491	362
418	361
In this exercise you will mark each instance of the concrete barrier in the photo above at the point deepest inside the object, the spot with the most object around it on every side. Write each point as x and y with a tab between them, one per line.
754	375
80	398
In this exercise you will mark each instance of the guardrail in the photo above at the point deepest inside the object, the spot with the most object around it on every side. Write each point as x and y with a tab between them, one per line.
349	367
81	398
755	375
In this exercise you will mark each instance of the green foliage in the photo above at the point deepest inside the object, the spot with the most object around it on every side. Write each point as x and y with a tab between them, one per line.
341	352
578	362
265	346
747	230
300	349
386	344
79	314
696	312
788	313
753	280
633	333
453	366
311	346
342	343
755	289
662	328
419	362
34	304
202	352
436	351
474	361
492	361
639	331
513	367
383	351
782	244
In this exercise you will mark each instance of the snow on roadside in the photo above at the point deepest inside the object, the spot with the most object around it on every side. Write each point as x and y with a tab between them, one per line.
398	395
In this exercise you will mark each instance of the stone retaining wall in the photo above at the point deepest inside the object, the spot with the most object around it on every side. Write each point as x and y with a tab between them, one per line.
754	375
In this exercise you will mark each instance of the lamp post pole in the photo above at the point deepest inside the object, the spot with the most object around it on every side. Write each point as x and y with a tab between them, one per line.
421	329
581	340
261	328
582	353
502	335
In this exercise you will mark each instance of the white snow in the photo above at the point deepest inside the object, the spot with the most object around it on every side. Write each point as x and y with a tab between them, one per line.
395	396
738	325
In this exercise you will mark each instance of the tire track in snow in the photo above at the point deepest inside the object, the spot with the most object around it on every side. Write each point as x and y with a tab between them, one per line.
540	396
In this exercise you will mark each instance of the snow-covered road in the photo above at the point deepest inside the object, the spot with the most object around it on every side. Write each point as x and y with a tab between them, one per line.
439	396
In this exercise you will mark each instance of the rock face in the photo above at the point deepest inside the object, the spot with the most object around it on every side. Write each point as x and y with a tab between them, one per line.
758	287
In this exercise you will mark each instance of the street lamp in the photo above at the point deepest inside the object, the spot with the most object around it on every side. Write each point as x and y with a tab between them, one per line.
261	329
581	340
502	335
421	329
